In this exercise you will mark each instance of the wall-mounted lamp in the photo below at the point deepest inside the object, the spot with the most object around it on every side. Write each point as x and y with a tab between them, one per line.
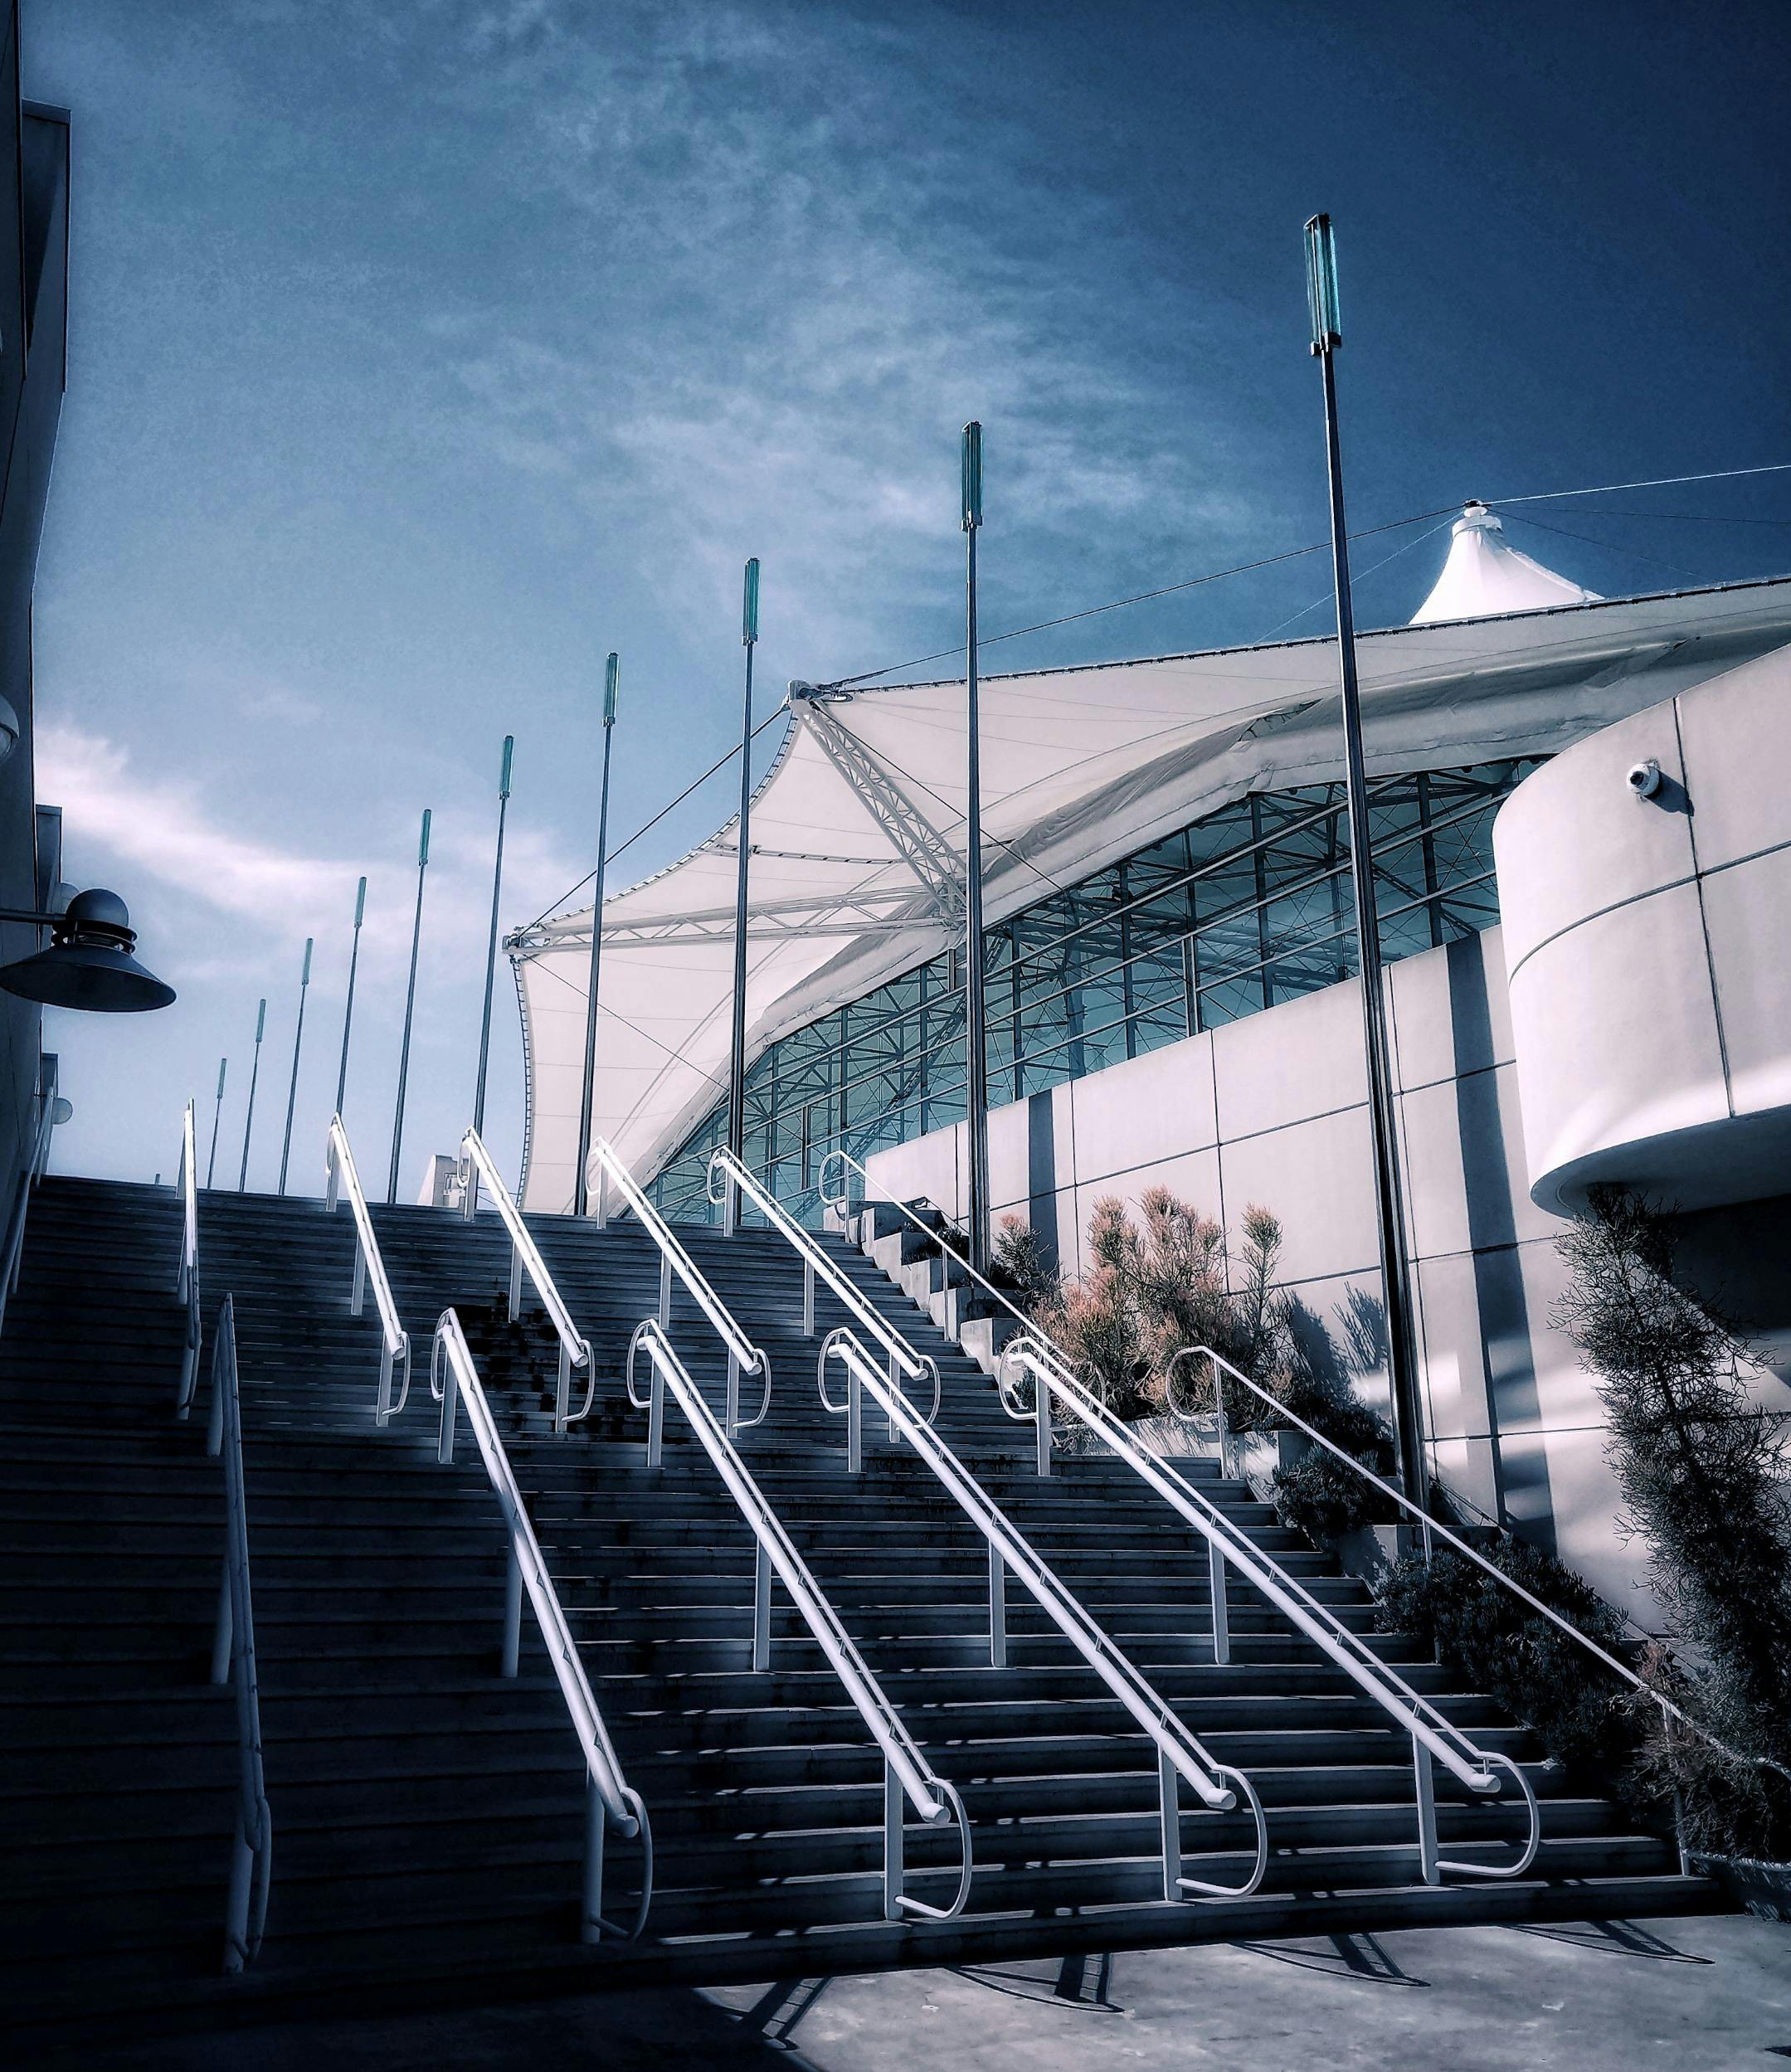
90	962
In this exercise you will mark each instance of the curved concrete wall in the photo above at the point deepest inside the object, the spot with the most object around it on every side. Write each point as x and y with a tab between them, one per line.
1647	943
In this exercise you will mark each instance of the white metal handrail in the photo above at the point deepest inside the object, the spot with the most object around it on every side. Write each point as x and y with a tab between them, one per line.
743	1356
1181	1754
1222	1367
525	1257
906	1772
726	1169
13	1259
395	1342
609	1799
251	1860
1434	1737
186	1279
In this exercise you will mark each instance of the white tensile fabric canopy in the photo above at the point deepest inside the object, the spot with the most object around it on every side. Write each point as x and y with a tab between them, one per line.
856	830
1485	574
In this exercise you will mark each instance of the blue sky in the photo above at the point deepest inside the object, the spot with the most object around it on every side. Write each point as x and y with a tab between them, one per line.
422	353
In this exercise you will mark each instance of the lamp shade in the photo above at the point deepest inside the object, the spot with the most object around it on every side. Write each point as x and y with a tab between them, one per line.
90	962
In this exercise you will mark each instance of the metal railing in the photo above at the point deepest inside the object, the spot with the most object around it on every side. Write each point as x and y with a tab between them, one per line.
395	1342
908	1778
1432	1737
609	1799
525	1258
186	1279
13	1257
1431	1529
725	1169
743	1356
251	1858
1180	1753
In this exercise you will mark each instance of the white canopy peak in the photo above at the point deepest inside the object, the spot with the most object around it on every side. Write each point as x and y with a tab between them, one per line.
1485	576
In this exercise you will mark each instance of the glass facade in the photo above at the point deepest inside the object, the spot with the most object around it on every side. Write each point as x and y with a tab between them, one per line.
1246	908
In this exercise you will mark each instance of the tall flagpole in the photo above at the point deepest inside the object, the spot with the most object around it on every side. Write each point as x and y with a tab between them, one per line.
587	1097
298	1038
410	1004
347	1011
737	1069
255	1073
1395	1273
491	944
217	1111
976	1024
491	965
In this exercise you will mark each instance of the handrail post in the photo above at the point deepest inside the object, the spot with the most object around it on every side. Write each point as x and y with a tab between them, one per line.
1168	1816
997	1608
1041	1390
383	1408
1428	1853
1215	1577
450	1388
591	1909
223	1628
601	1218
1223	1430
761	1607
732	1420
516	1279
357	1295
895	1389
854	1421
656	1418
665	1292
563	1388
808	1298
513	1612
895	1810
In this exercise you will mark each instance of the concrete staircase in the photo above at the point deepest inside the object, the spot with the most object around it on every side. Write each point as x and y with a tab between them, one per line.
428	1813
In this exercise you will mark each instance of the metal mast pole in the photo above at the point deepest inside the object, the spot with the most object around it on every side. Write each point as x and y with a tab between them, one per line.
588	1096
737	1070
975	1021
298	1038
347	1011
1395	1274
410	1003
491	944
211	1164
255	1073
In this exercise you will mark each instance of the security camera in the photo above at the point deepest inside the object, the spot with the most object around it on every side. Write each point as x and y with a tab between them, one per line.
1644	778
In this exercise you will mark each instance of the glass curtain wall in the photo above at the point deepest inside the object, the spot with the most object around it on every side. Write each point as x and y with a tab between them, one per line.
1248	907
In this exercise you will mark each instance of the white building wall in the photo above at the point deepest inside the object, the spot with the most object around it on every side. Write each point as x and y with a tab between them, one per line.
1273	1110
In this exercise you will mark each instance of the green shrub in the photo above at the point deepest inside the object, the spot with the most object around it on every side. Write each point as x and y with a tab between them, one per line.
1549	1680
1322	1498
1701	1466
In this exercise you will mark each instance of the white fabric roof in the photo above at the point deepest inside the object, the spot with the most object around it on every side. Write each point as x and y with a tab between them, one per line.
857	827
1485	574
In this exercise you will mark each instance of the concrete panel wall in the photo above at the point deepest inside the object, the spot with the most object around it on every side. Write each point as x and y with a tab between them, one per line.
1648	942
1273	1110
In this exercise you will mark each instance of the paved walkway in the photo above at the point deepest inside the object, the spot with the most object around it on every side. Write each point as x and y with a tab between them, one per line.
1707	1994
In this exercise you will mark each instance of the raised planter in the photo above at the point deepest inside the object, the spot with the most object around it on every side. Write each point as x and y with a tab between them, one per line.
1764	1889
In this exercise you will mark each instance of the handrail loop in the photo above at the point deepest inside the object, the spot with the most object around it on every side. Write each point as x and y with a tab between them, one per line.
1434	1737
186	1279
1427	1725
743	1356
725	1168
395	1342
1222	1366
1180	1753
525	1257
906	1773
251	1861
609	1799
850	1409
